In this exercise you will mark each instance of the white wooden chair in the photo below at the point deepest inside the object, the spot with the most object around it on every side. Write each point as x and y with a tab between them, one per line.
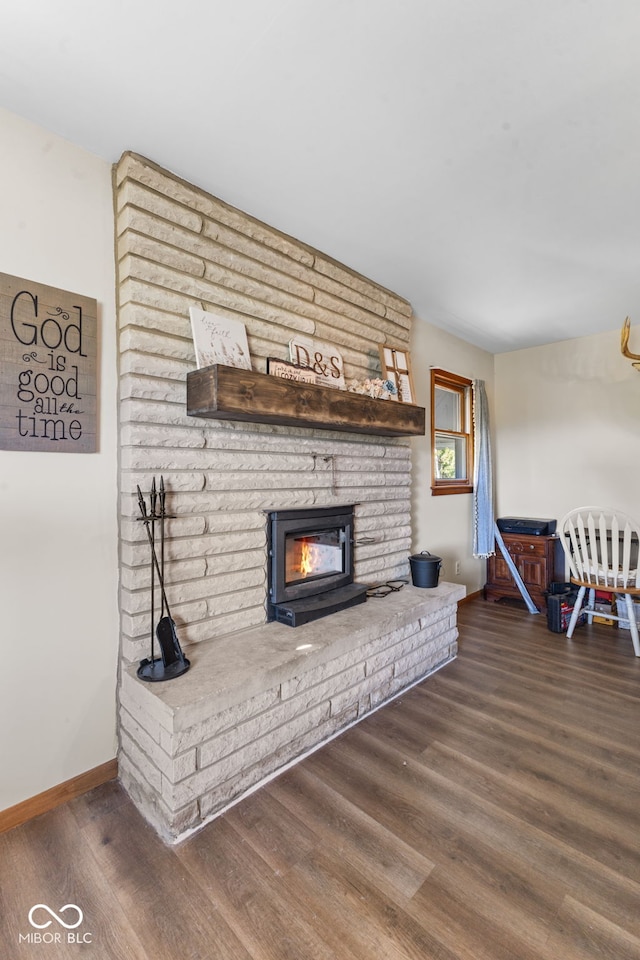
601	547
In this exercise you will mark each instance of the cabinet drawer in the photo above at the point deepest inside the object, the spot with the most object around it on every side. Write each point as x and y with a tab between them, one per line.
523	547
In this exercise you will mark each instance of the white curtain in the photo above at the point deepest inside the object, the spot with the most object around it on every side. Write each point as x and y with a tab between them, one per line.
483	509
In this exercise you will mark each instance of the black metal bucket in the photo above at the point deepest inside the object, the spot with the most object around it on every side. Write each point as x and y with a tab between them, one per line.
425	569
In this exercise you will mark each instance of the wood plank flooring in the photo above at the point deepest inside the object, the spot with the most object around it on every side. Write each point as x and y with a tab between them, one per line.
490	813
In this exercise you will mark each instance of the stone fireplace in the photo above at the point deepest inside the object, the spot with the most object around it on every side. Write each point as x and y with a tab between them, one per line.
252	700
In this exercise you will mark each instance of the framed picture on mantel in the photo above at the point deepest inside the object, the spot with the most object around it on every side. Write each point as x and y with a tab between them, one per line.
396	367
219	339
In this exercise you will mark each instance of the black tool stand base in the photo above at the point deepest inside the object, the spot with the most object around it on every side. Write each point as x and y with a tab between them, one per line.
154	670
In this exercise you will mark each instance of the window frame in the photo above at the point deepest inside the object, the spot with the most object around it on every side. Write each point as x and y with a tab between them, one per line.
463	387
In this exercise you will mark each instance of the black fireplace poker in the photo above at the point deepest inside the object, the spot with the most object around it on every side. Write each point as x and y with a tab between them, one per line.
172	661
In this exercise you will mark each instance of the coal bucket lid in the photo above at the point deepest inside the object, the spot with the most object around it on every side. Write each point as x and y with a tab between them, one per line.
426	557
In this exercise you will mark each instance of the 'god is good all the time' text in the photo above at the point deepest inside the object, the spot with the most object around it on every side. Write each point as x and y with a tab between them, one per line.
47	390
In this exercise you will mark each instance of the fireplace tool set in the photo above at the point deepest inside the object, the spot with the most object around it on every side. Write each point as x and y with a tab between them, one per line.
172	662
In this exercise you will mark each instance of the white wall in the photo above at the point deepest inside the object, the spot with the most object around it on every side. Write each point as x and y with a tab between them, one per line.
567	427
58	532
443	524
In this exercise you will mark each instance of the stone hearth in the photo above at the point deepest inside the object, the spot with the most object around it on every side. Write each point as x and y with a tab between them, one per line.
259	699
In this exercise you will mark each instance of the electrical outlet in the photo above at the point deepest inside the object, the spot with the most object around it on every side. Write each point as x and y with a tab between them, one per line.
457	568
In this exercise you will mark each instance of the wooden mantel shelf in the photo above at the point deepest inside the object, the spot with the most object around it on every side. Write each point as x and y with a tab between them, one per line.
230	393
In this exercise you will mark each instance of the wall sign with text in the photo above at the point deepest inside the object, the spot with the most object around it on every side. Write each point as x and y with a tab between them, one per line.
323	358
48	346
290	371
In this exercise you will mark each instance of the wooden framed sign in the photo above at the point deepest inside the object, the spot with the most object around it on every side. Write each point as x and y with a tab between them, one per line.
396	367
48	345
289	371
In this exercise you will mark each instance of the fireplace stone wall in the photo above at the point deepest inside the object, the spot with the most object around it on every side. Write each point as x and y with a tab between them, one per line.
178	247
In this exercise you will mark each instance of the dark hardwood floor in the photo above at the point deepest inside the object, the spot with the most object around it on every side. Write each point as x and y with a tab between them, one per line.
490	813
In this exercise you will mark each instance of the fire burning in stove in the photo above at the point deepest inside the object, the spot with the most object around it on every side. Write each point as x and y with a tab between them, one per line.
312	555
308	558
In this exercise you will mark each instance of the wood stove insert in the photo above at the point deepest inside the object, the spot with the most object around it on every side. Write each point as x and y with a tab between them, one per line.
310	564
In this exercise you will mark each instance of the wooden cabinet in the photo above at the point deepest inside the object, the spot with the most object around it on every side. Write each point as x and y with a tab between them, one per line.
538	560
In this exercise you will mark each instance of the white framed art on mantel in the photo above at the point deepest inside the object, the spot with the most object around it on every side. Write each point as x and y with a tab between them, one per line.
219	339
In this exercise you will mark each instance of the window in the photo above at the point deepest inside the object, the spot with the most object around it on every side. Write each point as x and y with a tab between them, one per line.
451	434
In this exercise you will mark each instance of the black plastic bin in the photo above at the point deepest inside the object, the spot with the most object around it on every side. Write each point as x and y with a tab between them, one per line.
561	599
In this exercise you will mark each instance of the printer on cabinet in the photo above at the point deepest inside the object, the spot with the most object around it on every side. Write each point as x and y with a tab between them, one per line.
527	526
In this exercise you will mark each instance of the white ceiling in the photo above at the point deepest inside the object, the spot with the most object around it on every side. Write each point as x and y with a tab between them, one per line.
479	157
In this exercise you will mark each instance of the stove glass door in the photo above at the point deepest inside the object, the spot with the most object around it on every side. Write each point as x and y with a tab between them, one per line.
310	555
